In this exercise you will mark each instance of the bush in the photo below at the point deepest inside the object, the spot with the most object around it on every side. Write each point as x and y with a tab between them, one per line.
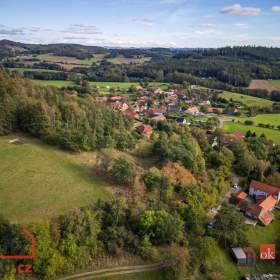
152	179
122	171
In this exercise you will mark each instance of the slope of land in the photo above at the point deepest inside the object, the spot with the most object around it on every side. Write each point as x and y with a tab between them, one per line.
262	84
272	134
268	119
38	181
276	83
247	100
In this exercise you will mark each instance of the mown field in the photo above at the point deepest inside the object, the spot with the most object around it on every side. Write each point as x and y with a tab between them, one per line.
22	70
271	119
276	83
38	181
272	134
54	83
104	87
247	100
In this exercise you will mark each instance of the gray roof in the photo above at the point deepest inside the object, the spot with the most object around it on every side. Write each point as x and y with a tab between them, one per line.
239	253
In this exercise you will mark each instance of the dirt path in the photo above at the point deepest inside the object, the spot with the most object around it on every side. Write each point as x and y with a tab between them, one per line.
115	271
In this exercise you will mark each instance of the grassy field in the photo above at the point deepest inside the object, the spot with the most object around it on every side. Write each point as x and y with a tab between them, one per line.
54	83
272	134
247	100
153	275
272	119
38	181
276	83
22	70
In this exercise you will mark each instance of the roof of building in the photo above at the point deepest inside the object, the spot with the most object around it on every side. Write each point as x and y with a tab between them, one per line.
266	218
193	110
144	128
241	195
272	190
238	134
239	253
268	203
250	253
159	118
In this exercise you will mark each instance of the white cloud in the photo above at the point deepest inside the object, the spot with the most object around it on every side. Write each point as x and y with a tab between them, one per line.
242	25
143	21
237	9
82	29
276	9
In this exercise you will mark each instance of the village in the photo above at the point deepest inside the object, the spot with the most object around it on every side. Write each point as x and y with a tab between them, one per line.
151	105
256	202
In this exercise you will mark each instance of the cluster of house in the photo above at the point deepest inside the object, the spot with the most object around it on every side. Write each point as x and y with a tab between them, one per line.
258	204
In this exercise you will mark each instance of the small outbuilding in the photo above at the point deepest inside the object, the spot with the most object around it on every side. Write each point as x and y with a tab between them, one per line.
244	256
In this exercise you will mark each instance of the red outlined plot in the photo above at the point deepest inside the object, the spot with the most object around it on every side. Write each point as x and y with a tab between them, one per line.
33	243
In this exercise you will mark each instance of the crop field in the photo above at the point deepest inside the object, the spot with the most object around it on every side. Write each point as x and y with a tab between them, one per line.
250	101
39	181
54	83
22	70
262	84
272	134
124	60
276	83
271	119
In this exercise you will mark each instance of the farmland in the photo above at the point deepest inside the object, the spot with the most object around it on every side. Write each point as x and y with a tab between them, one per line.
54	83
272	134
22	70
276	83
38	181
247	100
262	84
268	119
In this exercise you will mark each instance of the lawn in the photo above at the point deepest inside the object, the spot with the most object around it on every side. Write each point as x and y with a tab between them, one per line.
153	275
272	134
276	83
272	119
54	83
22	70
39	181
247	100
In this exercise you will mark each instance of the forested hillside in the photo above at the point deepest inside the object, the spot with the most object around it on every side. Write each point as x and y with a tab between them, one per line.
74	123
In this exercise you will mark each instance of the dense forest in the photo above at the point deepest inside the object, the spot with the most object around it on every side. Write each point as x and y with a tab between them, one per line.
230	68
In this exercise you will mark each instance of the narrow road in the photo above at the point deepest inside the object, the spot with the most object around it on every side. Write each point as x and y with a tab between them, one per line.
115	271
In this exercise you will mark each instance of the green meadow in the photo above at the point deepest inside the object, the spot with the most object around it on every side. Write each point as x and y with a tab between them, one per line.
54	83
276	83
271	119
39	181
271	134
247	100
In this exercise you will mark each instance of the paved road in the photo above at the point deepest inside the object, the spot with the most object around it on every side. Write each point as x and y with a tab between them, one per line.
115	271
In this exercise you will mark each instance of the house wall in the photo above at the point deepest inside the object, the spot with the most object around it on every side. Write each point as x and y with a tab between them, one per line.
254	192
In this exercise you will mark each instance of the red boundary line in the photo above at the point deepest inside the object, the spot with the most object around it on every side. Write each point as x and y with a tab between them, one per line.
33	243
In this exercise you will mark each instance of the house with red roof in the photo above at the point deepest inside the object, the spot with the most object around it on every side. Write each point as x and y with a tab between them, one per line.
258	190
238	135
262	211
156	111
159	118
145	129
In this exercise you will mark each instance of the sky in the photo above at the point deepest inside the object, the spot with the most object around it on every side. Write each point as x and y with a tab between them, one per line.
142	23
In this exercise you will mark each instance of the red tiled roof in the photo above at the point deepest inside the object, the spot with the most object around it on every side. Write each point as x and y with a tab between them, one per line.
268	203
241	195
145	129
238	134
264	187
159	118
266	218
